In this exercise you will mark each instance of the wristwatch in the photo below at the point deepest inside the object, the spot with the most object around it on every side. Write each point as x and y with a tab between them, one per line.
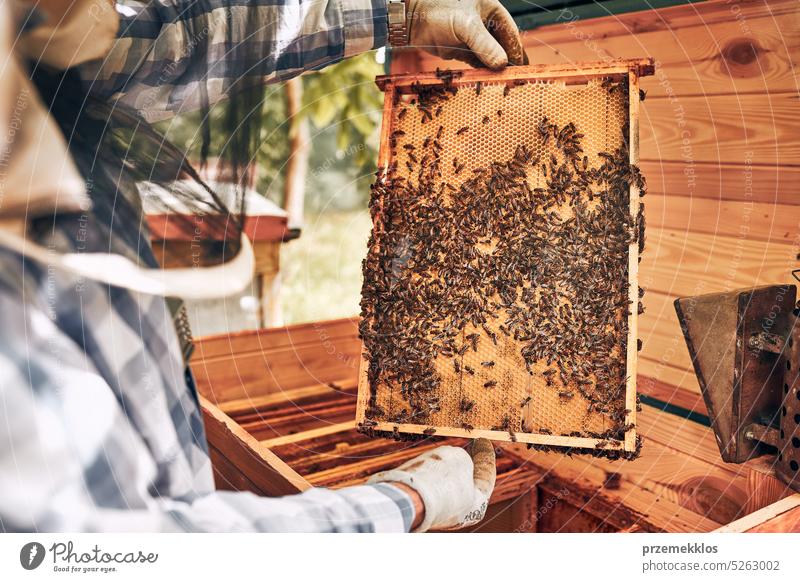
398	27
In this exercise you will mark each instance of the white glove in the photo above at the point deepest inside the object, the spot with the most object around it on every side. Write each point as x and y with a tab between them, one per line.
454	487
478	32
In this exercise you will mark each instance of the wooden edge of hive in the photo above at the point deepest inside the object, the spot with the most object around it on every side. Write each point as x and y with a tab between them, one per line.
641	66
632	355
761	515
562	444
265	469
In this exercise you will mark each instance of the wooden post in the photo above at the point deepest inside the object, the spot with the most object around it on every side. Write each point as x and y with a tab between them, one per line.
297	164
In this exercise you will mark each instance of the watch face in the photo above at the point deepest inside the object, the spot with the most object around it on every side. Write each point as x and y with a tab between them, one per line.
397	12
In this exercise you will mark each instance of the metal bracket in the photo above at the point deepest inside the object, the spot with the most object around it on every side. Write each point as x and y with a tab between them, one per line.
744	347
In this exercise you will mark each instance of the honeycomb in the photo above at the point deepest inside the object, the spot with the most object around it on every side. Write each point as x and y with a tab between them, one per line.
483	118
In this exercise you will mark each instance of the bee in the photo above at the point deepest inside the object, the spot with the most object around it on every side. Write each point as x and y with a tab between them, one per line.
402	114
466	405
490	384
430	431
506	90
485	119
642	94
463	130
525	401
566	394
469	370
467	426
488	364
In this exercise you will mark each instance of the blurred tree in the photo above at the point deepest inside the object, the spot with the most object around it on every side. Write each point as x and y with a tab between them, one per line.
345	95
341	100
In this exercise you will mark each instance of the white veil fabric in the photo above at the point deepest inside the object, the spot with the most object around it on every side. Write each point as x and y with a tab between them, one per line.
37	174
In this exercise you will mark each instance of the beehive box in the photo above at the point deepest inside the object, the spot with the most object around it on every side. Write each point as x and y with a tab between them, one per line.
500	290
279	409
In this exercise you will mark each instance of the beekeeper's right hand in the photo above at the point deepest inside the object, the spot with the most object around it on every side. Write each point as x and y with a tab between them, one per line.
481	33
454	485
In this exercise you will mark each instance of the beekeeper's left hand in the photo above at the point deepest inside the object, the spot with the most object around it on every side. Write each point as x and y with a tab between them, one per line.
454	485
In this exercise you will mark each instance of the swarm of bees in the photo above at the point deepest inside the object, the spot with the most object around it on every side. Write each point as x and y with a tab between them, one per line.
554	282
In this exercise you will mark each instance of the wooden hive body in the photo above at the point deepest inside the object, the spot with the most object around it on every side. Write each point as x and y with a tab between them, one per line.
279	408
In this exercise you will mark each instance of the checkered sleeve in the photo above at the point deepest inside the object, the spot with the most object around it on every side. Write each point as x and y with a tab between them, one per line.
74	457
170	55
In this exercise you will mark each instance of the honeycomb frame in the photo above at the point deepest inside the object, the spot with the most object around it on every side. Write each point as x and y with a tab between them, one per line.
396	89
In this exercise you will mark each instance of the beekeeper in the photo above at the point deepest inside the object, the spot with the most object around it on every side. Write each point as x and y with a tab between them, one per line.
100	428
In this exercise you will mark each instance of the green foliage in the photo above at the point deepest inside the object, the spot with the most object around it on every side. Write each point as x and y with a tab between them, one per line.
344	106
345	95
321	270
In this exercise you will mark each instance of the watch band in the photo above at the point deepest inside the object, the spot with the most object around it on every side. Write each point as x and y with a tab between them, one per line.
398	26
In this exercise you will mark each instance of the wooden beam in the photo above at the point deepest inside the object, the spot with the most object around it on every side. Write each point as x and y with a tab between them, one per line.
310	434
671	394
680	263
723	181
223	346
250	404
256	374
743	129
702	49
256	462
758	221
781	516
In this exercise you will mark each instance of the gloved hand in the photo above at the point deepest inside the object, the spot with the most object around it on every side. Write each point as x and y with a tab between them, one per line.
478	32
454	485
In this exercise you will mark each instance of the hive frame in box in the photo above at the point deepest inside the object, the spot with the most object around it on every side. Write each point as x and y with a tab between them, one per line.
632	69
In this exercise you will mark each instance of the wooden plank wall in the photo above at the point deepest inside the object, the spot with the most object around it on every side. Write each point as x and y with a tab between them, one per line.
720	145
239	367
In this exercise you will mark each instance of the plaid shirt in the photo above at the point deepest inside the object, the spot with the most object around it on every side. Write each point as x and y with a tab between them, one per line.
100	426
170	49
